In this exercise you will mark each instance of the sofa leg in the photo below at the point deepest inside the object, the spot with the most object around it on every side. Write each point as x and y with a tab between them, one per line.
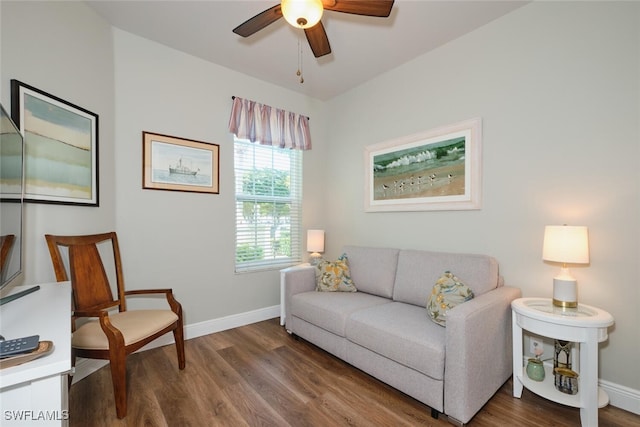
455	422
434	413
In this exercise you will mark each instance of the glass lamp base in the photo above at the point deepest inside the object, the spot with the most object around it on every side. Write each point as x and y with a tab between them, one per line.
315	258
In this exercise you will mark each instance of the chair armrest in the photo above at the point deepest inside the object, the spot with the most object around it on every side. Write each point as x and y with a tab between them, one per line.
113	334
97	310
478	358
148	291
296	280
90	313
173	303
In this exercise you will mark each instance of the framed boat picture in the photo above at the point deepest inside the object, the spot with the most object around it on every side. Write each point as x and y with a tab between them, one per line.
179	164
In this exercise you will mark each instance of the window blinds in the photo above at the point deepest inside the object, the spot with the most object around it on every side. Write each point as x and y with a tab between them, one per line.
268	188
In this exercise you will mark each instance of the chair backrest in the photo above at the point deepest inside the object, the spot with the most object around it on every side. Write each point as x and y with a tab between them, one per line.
89	280
6	242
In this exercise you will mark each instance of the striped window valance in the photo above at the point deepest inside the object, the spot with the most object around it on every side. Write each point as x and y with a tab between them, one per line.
268	125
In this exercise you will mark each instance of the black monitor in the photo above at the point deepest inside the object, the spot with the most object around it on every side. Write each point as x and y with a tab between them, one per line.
11	203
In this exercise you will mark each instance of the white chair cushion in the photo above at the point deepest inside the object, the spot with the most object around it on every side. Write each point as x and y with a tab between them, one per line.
135	325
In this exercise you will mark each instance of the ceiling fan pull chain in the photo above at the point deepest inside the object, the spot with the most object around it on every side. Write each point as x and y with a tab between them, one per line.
299	73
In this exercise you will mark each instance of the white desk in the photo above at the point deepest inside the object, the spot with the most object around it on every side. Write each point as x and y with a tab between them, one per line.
36	391
585	325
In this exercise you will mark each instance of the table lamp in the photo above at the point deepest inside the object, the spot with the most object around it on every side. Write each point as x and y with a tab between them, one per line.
568	245
315	245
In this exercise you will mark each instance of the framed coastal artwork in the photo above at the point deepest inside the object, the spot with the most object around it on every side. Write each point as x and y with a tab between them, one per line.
61	147
439	169
179	164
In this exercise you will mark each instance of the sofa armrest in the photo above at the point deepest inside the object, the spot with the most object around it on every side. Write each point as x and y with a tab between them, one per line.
296	280
478	358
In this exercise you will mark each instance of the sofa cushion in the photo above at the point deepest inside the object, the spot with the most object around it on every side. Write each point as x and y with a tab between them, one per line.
330	310
334	276
403	333
373	270
447	293
419	270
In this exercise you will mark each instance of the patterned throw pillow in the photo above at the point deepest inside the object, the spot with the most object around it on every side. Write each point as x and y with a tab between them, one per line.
448	292
334	276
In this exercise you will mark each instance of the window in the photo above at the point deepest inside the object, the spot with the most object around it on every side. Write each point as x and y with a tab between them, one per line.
268	206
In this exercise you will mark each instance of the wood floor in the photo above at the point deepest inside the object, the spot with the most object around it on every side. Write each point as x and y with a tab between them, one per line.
258	375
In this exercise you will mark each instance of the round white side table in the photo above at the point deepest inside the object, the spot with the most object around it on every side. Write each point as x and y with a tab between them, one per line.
585	325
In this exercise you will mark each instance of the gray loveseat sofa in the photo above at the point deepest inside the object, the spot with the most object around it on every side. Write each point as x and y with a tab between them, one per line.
384	328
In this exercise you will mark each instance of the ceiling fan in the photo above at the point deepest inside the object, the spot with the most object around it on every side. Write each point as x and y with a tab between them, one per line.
306	14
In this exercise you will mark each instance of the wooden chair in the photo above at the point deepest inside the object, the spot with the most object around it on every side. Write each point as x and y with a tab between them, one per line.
112	336
6	243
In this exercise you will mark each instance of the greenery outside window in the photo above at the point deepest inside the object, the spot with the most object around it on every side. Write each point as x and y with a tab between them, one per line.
268	188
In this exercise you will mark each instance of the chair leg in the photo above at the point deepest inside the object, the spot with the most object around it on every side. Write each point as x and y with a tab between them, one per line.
118	365
178	336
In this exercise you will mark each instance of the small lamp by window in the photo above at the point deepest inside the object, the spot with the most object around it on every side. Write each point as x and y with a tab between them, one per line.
315	245
568	245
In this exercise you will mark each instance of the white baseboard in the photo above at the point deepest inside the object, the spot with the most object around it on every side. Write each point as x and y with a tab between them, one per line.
620	396
85	367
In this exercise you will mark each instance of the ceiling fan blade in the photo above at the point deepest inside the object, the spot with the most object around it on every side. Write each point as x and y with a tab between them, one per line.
380	8
258	22
318	40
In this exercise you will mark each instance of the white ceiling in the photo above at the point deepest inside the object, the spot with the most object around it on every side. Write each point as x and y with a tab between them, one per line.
362	47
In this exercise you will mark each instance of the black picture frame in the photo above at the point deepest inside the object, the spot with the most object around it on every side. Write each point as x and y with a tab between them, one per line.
61	147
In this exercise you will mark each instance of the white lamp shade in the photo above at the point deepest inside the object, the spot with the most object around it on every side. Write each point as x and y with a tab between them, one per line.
315	240
302	13
566	244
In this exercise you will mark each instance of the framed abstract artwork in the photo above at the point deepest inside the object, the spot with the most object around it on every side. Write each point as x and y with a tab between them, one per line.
179	164
61	147
439	169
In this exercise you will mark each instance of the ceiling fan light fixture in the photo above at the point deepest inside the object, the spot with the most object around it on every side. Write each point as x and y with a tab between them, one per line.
302	13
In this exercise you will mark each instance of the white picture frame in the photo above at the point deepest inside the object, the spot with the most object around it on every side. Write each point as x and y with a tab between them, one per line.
439	169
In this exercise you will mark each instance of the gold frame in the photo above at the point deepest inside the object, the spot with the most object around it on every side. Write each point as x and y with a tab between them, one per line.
196	168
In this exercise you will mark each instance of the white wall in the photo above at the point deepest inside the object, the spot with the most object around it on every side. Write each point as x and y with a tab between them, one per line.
557	86
180	239
64	49
69	51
